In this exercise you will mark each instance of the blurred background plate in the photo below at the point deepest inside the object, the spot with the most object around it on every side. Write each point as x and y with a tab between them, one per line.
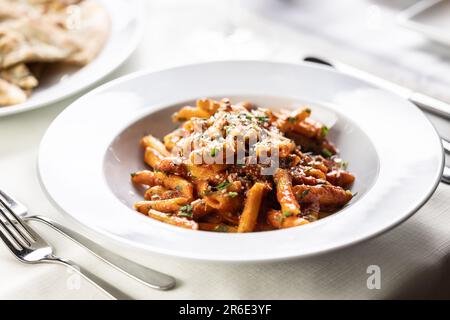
126	30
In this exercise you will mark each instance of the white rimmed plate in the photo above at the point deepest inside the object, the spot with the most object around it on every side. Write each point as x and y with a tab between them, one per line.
88	152
126	29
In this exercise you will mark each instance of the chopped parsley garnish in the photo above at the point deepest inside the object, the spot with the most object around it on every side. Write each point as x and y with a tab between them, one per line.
185	214
133	174
262	118
179	188
327	153
233	194
287	214
170	193
185	211
279	218
228	129
292	119
304	193
214	152
221	228
325	130
223	185
344	165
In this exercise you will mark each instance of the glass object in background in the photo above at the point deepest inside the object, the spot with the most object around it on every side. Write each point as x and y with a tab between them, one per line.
225	34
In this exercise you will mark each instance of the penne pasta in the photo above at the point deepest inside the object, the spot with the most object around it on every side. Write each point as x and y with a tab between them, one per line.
239	168
206	172
285	195
172	165
173	182
325	195
249	216
146	177
171	140
152	142
154	193
208	105
167	205
280	220
200	209
217	227
222	202
152	157
187	113
174	220
340	178
316	173
309	128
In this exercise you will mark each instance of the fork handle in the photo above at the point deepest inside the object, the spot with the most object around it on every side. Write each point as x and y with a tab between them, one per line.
146	276
103	285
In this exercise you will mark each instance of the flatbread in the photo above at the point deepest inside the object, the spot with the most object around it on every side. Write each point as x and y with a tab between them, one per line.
19	75
10	9
38	32
91	33
11	94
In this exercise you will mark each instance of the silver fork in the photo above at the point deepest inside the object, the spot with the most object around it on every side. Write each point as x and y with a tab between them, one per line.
31	248
149	277
140	273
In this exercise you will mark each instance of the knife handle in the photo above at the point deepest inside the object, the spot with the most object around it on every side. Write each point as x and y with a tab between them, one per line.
430	104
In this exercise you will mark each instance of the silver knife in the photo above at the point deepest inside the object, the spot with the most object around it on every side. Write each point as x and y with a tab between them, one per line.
421	100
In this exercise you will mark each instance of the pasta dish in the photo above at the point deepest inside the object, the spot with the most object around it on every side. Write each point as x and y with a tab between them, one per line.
241	168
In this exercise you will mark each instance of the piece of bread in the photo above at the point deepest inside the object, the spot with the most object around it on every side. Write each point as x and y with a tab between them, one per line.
11	94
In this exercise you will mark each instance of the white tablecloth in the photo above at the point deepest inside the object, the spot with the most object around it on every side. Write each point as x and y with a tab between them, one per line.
413	258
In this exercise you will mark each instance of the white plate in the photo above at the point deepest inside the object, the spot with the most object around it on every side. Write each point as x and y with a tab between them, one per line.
88	152
126	30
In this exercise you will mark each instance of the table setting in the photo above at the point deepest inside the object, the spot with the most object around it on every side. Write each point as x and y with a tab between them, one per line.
77	224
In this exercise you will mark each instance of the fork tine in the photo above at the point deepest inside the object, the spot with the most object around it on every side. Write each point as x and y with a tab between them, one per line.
446	145
28	232
10	202
16	209
9	240
24	238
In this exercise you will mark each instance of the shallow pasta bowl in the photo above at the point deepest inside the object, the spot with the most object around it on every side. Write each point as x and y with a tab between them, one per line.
88	152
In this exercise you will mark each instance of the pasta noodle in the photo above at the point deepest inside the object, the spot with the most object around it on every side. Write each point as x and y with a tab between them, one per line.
249	216
167	205
239	168
285	196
